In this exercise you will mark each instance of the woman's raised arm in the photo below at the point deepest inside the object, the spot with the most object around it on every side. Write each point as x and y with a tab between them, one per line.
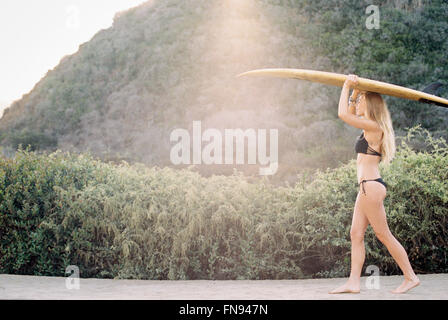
349	117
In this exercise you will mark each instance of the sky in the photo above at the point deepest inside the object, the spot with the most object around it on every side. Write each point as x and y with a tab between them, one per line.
35	35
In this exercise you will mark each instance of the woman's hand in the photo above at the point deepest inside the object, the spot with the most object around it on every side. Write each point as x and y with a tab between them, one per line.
351	81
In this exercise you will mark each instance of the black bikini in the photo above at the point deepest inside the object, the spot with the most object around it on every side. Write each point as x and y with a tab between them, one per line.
362	146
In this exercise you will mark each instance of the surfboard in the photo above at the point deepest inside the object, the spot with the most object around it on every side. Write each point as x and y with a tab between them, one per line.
338	79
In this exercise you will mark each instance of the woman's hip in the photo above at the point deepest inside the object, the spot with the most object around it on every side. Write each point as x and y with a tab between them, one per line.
377	180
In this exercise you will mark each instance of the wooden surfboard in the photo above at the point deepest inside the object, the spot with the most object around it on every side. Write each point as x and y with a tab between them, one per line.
337	79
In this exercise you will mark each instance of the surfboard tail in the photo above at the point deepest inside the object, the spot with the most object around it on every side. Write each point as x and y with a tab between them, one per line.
441	104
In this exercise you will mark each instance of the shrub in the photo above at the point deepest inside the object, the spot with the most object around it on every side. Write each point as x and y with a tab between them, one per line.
35	140
134	222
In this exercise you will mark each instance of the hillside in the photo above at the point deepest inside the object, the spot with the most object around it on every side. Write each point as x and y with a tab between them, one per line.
3	105
164	64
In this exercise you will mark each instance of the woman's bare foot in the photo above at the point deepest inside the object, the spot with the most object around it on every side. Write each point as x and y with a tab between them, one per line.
348	287
407	285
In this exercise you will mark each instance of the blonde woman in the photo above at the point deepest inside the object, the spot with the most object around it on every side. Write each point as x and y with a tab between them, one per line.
369	112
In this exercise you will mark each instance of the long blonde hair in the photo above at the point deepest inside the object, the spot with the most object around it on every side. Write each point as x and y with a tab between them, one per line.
377	110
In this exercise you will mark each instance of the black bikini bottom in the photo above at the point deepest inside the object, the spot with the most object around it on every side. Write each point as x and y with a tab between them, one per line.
377	180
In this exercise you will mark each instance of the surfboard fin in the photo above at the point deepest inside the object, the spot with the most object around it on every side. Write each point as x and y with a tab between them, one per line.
433	88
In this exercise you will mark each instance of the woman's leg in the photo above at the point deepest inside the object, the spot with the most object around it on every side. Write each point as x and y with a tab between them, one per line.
358	251
373	208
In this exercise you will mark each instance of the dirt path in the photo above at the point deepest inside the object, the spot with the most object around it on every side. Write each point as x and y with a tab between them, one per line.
433	286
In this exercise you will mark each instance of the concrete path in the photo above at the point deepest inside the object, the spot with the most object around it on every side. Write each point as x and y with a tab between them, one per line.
433	287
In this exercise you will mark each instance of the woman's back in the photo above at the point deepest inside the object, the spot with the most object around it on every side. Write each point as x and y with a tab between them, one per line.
368	159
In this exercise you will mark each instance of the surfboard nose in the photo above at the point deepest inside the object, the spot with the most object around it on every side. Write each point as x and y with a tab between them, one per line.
243	74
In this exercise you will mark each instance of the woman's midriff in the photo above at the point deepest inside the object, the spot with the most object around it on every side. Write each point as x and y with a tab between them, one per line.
367	167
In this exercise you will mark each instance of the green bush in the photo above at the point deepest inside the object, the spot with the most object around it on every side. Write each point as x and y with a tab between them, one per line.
134	222
35	140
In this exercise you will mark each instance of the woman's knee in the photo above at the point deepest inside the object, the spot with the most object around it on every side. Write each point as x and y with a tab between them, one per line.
384	236
356	235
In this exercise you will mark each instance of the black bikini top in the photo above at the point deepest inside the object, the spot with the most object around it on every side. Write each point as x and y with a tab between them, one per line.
362	146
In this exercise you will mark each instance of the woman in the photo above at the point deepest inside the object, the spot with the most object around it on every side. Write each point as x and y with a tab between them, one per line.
376	143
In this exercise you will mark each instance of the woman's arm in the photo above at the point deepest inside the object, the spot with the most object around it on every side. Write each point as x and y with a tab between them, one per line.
344	106
343	110
343	101
352	101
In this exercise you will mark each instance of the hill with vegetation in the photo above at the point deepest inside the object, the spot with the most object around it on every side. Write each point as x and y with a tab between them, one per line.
166	63
3	105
